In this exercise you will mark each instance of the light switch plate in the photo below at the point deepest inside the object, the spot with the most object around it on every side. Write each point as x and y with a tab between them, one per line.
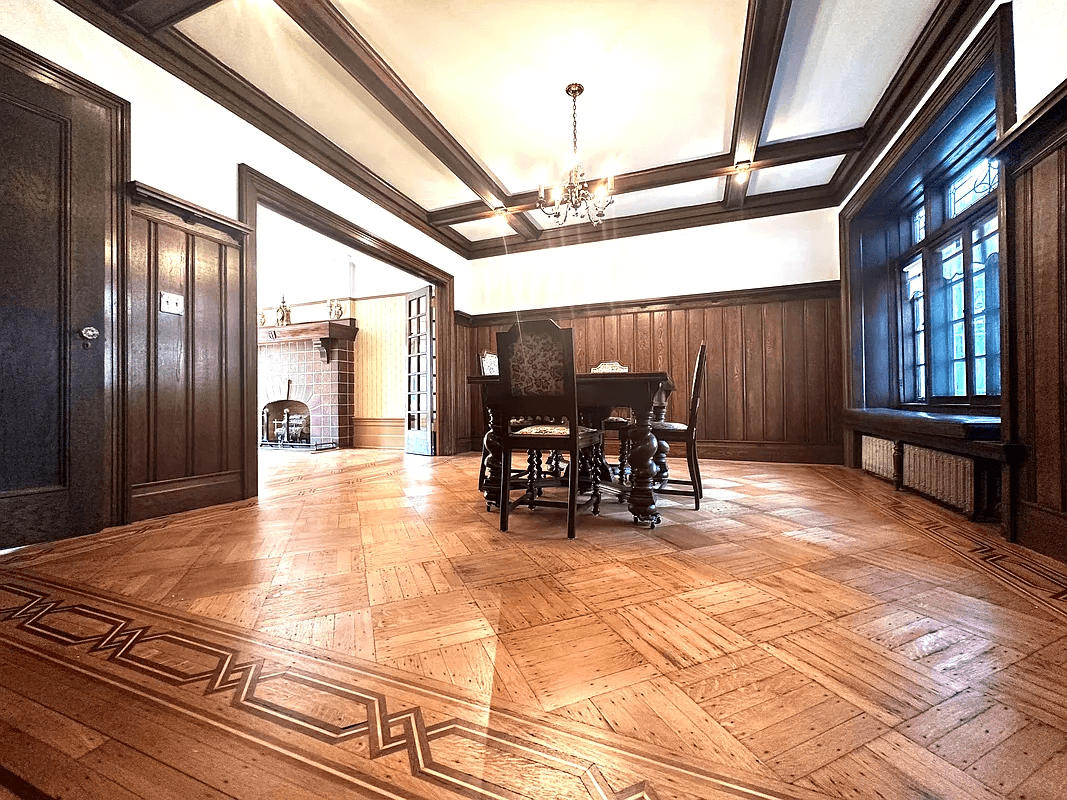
171	303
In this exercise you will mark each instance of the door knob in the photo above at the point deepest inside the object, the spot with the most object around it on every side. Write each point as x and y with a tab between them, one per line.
89	334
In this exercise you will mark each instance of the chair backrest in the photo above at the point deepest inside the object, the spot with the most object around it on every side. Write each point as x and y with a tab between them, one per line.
698	384
488	363
537	369
610	366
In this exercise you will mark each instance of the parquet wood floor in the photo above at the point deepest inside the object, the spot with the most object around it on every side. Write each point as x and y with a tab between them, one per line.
363	629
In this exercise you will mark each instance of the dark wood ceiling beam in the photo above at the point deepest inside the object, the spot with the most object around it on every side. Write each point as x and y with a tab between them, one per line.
765	27
771	155
154	15
191	64
324	23
787	202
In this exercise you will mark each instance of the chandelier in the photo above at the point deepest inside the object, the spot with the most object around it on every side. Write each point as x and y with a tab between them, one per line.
575	197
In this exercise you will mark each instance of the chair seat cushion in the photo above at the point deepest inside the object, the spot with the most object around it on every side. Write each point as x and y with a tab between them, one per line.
669	426
617	421
549	430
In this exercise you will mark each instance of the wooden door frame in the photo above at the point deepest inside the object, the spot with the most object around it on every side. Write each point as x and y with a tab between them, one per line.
117	112
254	188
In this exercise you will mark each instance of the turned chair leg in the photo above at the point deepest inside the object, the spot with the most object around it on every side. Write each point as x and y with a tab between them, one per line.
505	488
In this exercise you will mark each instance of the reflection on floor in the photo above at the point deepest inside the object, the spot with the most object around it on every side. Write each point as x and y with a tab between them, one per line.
363	629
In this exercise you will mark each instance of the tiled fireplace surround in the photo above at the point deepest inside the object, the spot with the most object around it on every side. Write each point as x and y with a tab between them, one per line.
296	370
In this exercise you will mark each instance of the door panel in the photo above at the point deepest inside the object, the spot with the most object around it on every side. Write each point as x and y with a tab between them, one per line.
419	419
57	196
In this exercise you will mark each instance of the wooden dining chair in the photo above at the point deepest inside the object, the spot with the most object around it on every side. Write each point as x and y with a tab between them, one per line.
537	380
686	432
488	363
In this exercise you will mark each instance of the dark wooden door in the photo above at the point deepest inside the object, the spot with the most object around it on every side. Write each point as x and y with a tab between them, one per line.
419	419
57	209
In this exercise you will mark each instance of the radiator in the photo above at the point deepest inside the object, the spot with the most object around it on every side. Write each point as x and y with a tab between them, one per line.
943	476
877	456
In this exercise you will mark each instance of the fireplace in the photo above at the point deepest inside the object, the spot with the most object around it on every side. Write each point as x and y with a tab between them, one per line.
285	423
307	369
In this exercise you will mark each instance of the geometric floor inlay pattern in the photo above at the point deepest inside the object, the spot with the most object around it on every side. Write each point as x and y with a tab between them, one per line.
363	628
328	709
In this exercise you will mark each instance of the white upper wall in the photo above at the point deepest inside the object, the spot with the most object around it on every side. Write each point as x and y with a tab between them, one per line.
1040	50
771	251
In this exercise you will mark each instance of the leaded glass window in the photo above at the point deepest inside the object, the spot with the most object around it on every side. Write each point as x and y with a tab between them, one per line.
972	186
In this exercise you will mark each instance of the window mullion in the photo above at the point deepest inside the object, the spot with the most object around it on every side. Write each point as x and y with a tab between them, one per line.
968	310
927	347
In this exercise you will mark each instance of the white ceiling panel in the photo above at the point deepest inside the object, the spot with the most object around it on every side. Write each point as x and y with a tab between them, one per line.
260	42
837	60
660	78
794	176
481	229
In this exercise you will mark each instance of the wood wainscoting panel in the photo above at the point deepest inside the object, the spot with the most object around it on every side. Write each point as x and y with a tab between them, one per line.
773	387
1034	327
186	432
378	434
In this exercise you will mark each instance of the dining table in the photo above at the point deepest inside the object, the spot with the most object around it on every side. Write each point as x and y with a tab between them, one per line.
644	393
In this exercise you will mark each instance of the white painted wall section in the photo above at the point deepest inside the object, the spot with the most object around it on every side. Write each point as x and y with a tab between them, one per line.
771	251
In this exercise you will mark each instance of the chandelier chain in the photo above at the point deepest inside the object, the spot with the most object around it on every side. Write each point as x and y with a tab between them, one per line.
574	120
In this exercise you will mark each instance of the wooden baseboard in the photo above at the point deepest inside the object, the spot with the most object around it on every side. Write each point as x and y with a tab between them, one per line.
785	452
156	499
1042	529
378	434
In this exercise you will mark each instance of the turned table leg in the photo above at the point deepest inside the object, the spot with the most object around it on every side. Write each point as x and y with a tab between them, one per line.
643	470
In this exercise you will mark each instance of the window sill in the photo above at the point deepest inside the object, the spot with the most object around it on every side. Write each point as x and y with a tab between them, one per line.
966	434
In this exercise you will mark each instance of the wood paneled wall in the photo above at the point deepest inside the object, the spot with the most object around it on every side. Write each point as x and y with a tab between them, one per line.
773	388
379	357
186	442
1035	327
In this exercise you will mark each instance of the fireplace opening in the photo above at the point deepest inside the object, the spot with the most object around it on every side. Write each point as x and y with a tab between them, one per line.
285	423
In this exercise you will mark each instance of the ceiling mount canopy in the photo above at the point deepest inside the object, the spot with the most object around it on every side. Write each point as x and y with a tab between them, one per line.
575	197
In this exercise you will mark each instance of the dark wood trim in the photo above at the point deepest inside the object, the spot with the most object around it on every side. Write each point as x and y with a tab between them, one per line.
183	494
188	62
115	481
1041	529
153	15
324	23
189	213
771	204
765	26
783	452
772	155
285	201
254	188
770	294
949	26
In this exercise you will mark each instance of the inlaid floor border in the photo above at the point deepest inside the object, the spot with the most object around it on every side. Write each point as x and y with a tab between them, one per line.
38	628
1029	574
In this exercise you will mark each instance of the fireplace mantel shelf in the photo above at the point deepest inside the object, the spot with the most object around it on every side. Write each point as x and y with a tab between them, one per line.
324	334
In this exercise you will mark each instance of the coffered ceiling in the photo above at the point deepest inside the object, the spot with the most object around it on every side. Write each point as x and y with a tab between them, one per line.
451	113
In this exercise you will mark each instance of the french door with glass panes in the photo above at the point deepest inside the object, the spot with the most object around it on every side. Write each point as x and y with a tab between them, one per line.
420	419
